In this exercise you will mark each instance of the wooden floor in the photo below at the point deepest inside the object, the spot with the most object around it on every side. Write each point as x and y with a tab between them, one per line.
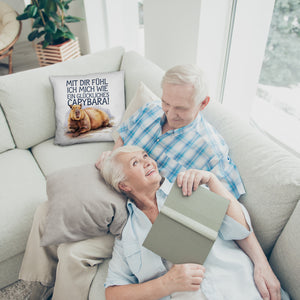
23	58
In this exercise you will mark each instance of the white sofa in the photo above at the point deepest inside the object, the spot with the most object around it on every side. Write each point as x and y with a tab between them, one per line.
27	154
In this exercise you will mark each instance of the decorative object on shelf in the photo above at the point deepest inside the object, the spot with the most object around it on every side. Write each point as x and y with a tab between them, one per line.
56	41
10	30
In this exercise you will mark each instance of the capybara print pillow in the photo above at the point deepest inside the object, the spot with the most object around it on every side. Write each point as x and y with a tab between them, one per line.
87	107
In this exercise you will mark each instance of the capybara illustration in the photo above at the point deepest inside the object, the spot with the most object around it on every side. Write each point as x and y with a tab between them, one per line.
83	120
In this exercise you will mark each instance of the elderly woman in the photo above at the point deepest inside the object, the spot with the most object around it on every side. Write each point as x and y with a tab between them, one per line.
137	273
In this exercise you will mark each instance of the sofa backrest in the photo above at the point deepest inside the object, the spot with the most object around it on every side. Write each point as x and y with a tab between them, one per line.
270	174
6	140
27	97
138	69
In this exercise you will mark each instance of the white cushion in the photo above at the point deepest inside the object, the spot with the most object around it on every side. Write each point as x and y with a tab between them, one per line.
142	96
23	187
270	174
97	98
27	97
53	158
6	141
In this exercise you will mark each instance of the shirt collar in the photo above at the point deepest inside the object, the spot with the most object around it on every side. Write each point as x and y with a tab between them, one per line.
161	195
186	128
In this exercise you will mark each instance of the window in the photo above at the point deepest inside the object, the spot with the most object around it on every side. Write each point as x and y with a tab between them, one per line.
276	108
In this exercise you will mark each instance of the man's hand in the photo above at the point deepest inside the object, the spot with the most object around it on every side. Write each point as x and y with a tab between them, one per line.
102	157
266	282
183	277
189	180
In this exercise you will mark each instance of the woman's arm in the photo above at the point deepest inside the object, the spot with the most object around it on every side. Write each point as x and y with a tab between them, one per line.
264	277
184	277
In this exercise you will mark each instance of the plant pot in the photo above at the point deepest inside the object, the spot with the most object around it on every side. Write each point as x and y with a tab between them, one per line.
57	53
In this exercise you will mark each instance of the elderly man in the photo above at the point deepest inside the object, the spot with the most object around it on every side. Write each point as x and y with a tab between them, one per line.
141	274
176	135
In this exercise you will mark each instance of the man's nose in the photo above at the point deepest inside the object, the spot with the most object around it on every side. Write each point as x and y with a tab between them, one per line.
170	112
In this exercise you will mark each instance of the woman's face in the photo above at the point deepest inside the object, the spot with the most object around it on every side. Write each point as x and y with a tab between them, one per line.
140	170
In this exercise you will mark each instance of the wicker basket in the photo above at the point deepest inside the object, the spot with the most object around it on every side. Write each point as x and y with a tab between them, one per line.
57	53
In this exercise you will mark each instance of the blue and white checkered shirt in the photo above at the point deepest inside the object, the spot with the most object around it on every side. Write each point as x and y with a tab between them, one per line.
195	146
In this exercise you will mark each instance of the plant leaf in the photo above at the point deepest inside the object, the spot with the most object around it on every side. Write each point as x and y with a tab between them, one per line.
32	11
56	17
71	19
70	35
23	16
50	27
38	23
45	44
33	35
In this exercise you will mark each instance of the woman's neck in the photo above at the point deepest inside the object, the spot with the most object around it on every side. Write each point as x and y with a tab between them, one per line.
147	203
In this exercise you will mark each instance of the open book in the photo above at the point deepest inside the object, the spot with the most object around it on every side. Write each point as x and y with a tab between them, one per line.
187	226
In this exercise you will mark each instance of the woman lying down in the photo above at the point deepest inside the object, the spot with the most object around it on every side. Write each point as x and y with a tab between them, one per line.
137	273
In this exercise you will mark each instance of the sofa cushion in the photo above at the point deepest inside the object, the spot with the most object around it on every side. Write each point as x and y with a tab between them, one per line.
6	141
94	100
285	255
82	206
138	69
53	158
23	187
142	96
27	97
270	174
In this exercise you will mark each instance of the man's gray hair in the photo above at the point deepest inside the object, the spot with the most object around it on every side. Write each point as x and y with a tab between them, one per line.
111	170
188	74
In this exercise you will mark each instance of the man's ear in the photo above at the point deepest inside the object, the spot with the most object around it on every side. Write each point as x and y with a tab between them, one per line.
124	187
204	103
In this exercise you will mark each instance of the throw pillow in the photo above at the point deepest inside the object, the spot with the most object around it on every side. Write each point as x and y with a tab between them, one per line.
87	107
142	96
82	206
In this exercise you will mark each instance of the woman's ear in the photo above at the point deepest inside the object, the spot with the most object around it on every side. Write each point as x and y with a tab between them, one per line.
124	187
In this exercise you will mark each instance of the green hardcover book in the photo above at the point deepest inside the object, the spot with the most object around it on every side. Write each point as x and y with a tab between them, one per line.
187	227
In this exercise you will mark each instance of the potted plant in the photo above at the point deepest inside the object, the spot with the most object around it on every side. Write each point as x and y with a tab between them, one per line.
49	25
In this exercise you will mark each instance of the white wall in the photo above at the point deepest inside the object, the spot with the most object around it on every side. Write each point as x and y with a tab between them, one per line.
171	31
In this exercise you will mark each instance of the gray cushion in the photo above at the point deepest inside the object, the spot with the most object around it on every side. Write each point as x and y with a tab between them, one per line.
82	206
285	255
29	108
270	174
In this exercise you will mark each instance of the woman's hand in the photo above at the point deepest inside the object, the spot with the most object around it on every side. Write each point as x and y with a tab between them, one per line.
183	277
189	180
102	157
266	282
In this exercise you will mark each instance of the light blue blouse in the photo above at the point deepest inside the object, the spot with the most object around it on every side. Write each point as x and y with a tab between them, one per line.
229	271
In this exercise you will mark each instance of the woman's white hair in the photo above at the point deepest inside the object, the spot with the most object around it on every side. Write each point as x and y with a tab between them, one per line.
188	74
112	170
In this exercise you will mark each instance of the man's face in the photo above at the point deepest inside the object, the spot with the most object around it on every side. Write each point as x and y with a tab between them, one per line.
179	105
140	170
